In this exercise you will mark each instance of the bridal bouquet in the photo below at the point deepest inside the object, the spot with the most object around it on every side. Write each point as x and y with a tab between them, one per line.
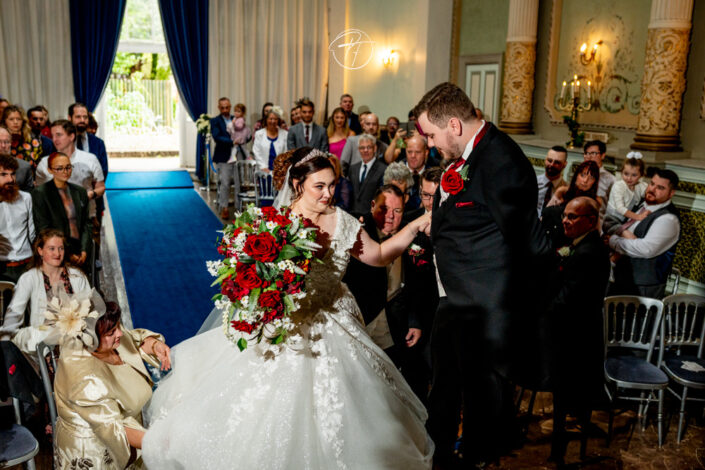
267	255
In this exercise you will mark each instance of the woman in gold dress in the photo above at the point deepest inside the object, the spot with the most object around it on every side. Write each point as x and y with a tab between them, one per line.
100	391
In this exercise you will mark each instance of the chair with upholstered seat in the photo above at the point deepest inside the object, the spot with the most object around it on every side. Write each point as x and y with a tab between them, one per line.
684	326
631	327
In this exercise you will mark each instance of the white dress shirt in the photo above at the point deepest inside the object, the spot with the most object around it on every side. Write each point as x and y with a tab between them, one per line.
662	234
604	185
16	228
364	165
86	172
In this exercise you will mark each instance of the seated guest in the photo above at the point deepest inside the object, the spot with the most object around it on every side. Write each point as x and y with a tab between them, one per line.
575	318
351	152
24	174
399	175
626	193
17	230
584	183
307	133
343	194
24	146
269	141
85	167
596	151
645	249
39	122
338	132
552	177
390	130
100	388
62	205
47	271
366	175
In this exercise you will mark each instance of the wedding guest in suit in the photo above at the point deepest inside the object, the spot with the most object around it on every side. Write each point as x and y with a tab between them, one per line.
645	249
270	141
490	254
347	103
584	183
307	133
351	153
596	151
343	194
366	175
100	392
338	132
91	143
23	145
390	130
62	205
17	230
39	123
24	174
552	177
575	319
47	271
222	155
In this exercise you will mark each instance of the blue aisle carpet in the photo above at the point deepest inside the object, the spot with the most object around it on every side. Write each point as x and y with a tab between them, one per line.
148	180
164	238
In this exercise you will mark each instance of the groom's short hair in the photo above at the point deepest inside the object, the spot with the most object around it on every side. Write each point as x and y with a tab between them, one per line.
443	102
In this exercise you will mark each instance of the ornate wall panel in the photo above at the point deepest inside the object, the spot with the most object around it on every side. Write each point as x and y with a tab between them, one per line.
518	83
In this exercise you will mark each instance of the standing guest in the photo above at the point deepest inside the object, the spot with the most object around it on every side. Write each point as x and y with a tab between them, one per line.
307	133
552	177
390	130
338	132
351	153
270	141
17	227
24	174
347	103
585	182
224	162
63	205
489	249
575	317
596	150
40	125
91	143
24	146
646	248
85	169
400	176
100	392
626	193
343	194
366	175
262	122
295	114
47	271
417	159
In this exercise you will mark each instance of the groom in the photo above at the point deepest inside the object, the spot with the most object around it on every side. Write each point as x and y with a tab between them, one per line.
489	248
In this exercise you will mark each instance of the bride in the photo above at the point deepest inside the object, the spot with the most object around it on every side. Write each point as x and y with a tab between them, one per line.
334	401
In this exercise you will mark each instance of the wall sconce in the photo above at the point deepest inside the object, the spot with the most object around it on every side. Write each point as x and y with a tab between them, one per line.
587	57
390	58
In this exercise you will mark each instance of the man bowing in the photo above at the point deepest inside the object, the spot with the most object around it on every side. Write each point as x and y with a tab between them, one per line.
489	248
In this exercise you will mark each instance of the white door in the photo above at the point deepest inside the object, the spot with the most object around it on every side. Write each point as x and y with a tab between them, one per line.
482	86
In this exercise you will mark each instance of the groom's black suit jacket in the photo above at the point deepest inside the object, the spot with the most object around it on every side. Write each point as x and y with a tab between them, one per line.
491	252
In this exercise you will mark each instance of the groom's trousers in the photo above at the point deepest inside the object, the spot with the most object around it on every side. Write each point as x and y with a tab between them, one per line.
463	377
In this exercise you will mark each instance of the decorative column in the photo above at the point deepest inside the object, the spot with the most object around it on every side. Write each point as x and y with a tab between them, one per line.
519	65
664	76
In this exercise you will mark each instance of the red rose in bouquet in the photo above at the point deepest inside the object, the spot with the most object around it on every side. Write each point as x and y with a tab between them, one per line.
288	276
243	326
452	182
262	247
247	276
271	299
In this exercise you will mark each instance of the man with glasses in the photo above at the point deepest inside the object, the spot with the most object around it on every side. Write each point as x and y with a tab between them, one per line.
24	174
596	150
87	171
16	223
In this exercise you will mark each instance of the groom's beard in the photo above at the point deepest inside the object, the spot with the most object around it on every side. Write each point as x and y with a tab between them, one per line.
9	192
452	154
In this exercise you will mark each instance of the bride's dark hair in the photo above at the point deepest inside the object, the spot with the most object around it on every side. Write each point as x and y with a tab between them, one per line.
303	162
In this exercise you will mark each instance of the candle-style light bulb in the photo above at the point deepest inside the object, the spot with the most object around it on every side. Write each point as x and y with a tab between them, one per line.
583	48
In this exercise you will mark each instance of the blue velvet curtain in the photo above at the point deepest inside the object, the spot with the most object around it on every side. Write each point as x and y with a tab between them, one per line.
186	33
95	30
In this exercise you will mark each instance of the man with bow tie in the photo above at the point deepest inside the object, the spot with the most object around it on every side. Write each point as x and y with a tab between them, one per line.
489	251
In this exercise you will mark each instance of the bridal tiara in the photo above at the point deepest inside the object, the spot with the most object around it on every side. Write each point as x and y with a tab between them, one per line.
313	154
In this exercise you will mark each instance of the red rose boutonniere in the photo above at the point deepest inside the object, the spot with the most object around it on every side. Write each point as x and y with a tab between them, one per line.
453	181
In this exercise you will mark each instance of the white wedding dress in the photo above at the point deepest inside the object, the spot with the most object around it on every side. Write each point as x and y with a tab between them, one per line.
331	400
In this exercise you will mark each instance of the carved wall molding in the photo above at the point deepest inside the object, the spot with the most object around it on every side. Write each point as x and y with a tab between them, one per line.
518	85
